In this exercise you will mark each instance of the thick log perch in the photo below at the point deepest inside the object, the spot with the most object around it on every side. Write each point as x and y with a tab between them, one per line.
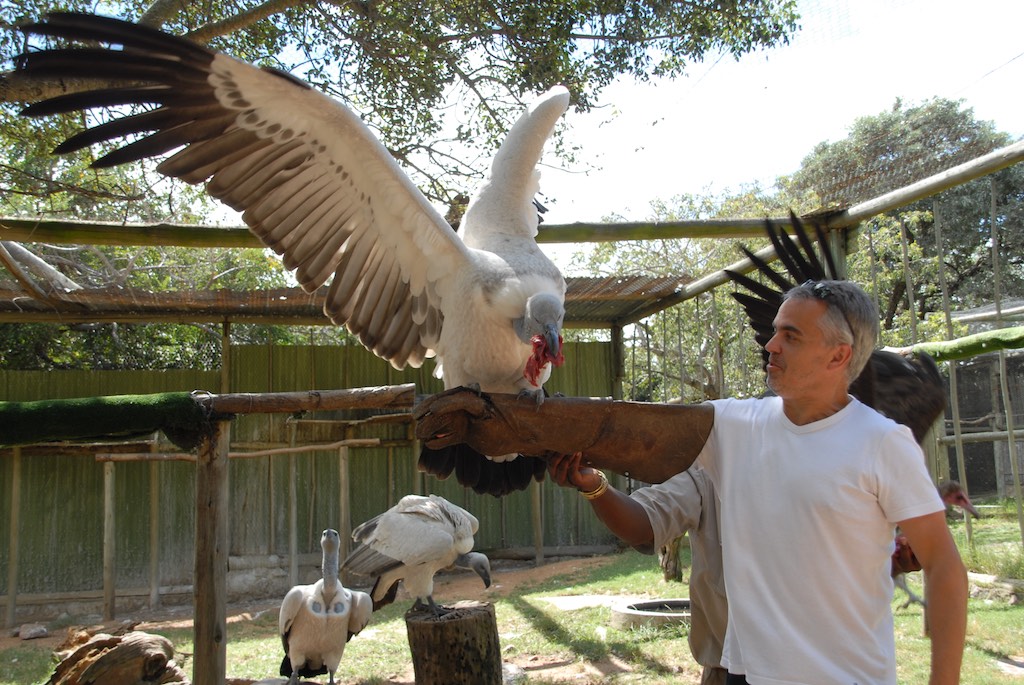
647	441
458	648
381	397
183	417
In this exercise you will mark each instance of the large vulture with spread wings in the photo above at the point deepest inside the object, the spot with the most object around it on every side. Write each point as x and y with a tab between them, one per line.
907	389
315	185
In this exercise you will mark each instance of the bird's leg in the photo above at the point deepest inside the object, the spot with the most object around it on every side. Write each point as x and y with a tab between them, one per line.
438	611
293	679
536	395
900	581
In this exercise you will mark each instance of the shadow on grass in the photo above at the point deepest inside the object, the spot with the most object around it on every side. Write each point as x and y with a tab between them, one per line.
590	649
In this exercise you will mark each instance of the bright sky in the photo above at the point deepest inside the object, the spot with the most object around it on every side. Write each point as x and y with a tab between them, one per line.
729	123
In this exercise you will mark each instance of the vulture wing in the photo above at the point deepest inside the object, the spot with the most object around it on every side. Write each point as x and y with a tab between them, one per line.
315	185
907	389
311	180
411	541
414	531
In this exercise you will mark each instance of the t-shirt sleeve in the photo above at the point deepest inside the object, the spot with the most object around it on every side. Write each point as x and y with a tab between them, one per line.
905	489
673	507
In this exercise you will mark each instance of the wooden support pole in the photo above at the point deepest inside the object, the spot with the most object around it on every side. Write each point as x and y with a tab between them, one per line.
416	447
460	648
537	518
293	512
154	532
13	539
109	543
211	558
344	502
954	393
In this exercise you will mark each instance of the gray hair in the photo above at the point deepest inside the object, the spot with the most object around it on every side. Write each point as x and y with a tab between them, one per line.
851	317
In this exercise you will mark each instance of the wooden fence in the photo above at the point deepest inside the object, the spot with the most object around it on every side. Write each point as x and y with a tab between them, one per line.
57	501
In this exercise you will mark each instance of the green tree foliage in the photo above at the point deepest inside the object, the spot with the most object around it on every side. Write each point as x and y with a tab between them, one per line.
438	77
896	148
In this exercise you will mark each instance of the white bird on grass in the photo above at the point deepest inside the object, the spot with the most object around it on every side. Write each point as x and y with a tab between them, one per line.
315	185
412	541
318	620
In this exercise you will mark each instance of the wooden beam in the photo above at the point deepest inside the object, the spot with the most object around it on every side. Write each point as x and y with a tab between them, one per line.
66	232
380	397
62	232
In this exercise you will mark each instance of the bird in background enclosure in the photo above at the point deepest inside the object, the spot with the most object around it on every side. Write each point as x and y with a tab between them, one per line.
315	185
410	543
908	389
903	559
318	620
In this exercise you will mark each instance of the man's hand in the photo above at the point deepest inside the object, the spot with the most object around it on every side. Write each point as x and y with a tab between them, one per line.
568	471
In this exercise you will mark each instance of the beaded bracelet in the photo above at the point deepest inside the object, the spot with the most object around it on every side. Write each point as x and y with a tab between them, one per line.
599	490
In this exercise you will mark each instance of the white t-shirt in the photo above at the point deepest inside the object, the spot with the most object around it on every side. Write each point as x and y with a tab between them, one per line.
808	515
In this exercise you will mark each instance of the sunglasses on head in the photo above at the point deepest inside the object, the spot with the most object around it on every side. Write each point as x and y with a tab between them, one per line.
824	292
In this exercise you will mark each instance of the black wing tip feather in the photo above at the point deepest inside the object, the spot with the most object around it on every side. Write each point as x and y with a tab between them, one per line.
107	29
476	471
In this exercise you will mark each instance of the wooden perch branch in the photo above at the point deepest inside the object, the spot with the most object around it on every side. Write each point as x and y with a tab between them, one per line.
381	397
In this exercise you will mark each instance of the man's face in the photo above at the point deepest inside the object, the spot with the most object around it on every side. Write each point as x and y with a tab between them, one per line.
799	357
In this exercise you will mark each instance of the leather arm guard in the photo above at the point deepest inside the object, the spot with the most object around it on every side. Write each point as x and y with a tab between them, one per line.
646	441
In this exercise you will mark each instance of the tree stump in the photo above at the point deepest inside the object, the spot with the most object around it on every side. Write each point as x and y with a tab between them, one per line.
131	659
459	648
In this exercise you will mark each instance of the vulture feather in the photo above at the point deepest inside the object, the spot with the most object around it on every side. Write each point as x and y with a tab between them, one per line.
907	389
412	541
318	620
315	185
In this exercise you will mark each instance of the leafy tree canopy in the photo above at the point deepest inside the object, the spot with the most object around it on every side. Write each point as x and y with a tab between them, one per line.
436	77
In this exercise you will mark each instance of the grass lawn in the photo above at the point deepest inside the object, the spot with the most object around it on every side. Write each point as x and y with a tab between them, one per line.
554	645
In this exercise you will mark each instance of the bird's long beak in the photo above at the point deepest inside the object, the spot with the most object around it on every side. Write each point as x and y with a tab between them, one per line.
553	340
484	576
969	508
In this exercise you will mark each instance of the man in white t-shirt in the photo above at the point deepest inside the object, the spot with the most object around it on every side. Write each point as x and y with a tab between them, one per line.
811	484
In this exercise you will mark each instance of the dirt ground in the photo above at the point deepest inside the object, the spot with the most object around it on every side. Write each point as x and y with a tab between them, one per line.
506	577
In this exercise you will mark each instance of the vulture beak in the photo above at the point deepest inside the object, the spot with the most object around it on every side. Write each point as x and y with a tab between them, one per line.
485	576
481	565
553	340
966	505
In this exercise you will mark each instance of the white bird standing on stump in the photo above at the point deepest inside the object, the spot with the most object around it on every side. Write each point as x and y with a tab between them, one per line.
315	185
412	541
318	620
